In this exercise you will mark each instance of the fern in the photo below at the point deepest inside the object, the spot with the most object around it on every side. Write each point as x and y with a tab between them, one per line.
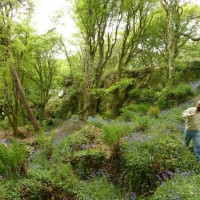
11	159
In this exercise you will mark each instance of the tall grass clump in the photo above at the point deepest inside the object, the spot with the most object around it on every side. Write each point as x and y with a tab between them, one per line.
154	111
113	132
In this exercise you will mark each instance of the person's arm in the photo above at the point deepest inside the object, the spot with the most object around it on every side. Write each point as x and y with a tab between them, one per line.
187	113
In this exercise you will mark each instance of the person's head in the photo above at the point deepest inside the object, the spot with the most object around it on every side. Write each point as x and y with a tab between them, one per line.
198	106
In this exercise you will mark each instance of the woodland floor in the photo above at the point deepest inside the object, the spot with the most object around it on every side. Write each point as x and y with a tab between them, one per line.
65	128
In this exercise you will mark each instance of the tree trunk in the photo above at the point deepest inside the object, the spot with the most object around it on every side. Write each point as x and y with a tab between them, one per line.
170	45
12	114
86	105
118	101
115	106
23	99
168	7
116	96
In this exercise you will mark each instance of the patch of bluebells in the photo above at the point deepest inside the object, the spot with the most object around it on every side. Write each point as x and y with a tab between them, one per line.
99	172
165	111
181	127
195	84
59	138
168	131
131	196
100	120
164	176
137	136
184	174
186	104
87	146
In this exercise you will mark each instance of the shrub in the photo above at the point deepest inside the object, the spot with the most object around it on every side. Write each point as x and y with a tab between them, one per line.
142	95
182	186
144	164
23	188
51	106
83	150
45	181
170	97
198	89
58	176
87	162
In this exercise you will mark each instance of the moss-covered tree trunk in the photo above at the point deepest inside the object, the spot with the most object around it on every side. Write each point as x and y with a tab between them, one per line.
23	99
11	108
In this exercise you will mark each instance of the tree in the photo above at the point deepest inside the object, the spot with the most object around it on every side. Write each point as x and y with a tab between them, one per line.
137	16
168	34
107	26
43	67
99	22
8	10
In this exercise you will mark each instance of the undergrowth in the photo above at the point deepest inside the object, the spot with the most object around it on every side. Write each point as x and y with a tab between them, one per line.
137	156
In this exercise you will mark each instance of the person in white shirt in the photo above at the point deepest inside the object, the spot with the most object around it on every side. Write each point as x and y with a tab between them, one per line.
192	128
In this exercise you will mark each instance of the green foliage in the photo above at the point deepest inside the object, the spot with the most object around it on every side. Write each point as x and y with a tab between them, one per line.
142	95
56	175
154	111
114	131
142	123
146	163
86	162
99	188
137	113
51	106
4	124
170	97
45	181
11	159
139	108
46	144
22	189
83	150
67	146
123	83
68	105
182	186
128	112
